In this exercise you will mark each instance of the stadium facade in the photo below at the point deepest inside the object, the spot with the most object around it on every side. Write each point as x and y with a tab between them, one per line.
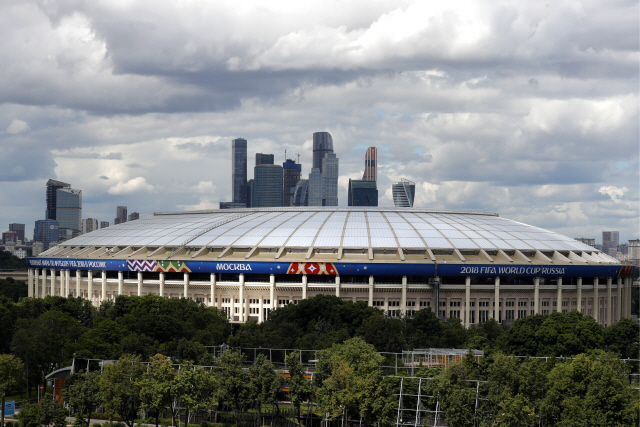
246	262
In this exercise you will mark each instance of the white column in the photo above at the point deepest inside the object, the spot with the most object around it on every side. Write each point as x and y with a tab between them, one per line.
371	288
579	289
30	283
36	281
67	282
304	286
627	301
213	290
103	291
90	285
596	303
337	286
121	281
241	310
559	303
61	281
186	285
272	290
467	301
139	283
78	281
52	278
609	305
496	311
536	295
619	299
403	302
261	310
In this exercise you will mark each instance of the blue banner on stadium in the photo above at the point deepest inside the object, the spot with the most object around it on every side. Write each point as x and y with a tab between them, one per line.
336	268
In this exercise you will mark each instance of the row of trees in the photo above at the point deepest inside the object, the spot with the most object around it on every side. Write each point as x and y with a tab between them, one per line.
351	386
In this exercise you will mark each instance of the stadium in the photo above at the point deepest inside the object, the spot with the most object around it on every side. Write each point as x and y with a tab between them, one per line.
247	262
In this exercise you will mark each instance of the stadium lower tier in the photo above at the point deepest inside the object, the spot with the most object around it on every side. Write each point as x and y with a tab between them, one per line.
246	297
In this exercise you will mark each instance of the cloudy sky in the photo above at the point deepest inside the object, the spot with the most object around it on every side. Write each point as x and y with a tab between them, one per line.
529	109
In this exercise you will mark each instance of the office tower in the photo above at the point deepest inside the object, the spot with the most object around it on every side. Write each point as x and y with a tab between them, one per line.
68	213
322	144
264	159
89	225
315	188
330	180
587	241
634	250
18	228
52	188
291	175
46	232
267	186
610	239
250	193
363	193
370	165
133	216
403	193
121	215
9	237
104	224
301	193
239	170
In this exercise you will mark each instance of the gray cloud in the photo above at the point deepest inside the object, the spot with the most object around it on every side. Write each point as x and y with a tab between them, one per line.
524	108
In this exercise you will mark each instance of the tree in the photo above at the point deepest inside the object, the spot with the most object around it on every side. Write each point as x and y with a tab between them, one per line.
265	383
52	412
455	394
299	387
235	383
120	387
82	392
194	387
155	386
622	338
10	373
348	380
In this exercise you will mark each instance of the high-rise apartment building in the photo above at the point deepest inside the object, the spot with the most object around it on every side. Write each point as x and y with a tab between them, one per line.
121	215
104	224
133	216
291	175
634	250
264	159
69	212
250	193
301	193
403	193
52	193
267	186
322	144
371	165
315	188
610	240
587	241
10	237
362	193
239	170
89	225
18	228
46	232
330	180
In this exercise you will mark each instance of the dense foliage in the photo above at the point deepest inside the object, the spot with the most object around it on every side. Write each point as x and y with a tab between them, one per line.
8	261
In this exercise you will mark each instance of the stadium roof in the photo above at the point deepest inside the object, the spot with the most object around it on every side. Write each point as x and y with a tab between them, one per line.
273	233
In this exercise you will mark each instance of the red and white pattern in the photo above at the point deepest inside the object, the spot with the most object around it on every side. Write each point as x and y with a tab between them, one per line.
312	268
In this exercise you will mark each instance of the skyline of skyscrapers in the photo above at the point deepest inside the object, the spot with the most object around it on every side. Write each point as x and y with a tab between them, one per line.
403	193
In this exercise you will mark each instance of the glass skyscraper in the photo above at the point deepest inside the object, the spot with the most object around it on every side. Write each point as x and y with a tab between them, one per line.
315	187
239	170
46	231
330	180
18	228
322	144
267	186
403	193
363	193
301	193
52	193
292	172
69	212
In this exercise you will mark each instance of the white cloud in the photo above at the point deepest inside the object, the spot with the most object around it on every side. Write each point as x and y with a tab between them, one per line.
135	185
614	192
18	126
